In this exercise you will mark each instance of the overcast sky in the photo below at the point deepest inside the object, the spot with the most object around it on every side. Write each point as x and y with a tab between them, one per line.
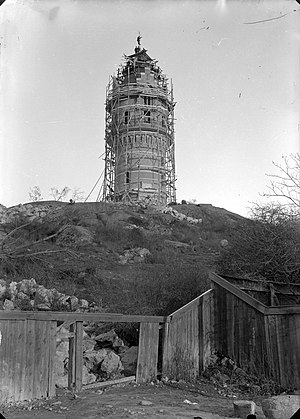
235	68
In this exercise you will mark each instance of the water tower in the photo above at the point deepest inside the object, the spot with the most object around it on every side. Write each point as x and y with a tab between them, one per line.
139	133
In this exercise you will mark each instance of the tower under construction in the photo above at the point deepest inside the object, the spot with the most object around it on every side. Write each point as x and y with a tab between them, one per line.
139	133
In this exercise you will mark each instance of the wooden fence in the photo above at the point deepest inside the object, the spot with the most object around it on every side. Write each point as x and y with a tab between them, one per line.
28	350
265	340
187	339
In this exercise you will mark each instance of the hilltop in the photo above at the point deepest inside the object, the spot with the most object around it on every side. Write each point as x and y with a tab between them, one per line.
130	259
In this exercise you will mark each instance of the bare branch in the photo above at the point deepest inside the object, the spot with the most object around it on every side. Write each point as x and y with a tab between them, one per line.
17	249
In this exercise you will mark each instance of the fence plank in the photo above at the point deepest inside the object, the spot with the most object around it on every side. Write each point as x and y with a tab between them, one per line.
78	355
43	375
51	362
165	348
23	360
3	363
71	363
205	341
38	356
147	353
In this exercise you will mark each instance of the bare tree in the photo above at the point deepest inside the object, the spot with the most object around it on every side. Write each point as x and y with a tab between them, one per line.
267	247
78	195
35	194
286	184
59	195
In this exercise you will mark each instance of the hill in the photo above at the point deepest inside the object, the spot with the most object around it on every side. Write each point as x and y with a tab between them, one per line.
130	259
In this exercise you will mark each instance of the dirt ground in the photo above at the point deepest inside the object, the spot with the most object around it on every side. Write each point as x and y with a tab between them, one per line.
129	400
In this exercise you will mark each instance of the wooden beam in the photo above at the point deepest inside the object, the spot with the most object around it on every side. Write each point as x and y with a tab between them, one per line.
271	311
187	306
294	309
100	384
82	317
237	292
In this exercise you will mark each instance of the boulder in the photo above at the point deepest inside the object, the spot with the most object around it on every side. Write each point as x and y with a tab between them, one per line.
63	334
2	287
93	359
28	286
87	377
224	243
43	307
280	407
111	363
8	305
83	304
243	408
136	255
13	291
87	343
74	302
129	360
108	340
22	301
61	363
43	295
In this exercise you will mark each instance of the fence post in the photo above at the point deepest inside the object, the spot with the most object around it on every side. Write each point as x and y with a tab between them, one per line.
71	358
78	355
165	348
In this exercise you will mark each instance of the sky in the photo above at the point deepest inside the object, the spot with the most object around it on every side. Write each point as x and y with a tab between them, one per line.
235	67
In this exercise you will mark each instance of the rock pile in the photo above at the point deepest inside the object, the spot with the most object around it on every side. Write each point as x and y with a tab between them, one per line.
28	295
105	356
30	212
179	216
136	255
230	380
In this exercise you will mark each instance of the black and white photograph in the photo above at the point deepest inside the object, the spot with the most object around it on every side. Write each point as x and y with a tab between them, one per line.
150	209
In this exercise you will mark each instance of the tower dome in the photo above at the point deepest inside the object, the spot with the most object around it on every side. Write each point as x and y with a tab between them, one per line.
139	133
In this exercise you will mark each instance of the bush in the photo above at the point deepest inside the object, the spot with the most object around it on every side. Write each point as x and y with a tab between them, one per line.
268	247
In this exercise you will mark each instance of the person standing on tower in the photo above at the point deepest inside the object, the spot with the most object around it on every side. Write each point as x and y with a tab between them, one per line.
138	48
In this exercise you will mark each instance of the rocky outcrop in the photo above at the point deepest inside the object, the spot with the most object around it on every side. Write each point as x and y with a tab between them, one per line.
179	216
136	255
27	295
30	212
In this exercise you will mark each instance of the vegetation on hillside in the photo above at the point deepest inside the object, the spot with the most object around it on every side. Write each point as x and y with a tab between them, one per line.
267	249
54	253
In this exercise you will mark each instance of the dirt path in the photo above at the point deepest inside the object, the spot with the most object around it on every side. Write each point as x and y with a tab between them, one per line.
128	401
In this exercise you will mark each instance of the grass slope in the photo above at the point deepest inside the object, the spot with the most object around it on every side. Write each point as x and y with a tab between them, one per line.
77	250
